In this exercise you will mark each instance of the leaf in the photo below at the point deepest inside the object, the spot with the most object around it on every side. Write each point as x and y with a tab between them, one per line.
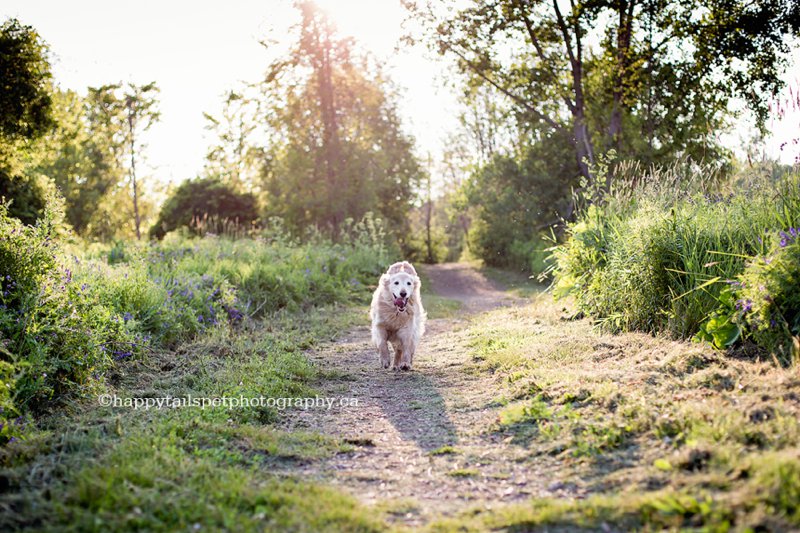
727	298
725	335
662	464
702	286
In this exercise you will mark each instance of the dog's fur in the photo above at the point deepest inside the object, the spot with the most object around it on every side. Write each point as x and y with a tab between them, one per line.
401	324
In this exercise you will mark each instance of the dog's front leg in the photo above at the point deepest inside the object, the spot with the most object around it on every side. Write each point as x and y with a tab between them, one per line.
407	358
383	349
398	358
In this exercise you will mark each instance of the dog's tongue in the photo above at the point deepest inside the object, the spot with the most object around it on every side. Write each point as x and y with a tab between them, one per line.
399	302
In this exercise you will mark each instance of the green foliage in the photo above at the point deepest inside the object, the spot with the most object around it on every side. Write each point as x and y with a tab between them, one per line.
656	85
25	115
124	113
67	319
656	262
769	292
515	200
27	194
55	338
205	205
339	150
79	154
721	328
25	103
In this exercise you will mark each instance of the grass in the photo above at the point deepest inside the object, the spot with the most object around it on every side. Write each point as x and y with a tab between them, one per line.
108	468
71	316
463	472
186	318
436	306
518	283
659	434
691	263
444	450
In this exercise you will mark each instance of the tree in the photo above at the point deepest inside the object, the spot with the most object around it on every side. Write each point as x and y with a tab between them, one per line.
124	113
25	115
336	147
206	202
235	157
25	104
662	64
80	160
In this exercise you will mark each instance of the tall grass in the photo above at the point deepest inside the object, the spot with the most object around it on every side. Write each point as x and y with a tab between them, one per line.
668	255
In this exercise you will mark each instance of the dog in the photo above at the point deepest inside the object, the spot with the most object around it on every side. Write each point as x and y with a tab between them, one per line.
398	316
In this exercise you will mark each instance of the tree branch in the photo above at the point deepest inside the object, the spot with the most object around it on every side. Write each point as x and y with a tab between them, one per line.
516	98
539	50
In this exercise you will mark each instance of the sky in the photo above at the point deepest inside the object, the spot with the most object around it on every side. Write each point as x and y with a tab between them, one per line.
197	50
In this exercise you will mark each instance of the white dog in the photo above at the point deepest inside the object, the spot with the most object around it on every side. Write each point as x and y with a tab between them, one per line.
397	315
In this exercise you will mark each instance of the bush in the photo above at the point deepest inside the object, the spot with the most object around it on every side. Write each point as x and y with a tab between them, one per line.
55	339
769	297
28	195
515	198
273	272
67	318
206	206
666	264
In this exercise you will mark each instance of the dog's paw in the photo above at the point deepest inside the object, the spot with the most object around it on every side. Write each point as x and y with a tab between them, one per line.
405	366
386	363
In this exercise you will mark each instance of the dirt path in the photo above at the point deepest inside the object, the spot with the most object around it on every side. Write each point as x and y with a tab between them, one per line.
404	416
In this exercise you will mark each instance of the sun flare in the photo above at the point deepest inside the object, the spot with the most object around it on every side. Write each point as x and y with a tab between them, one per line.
375	24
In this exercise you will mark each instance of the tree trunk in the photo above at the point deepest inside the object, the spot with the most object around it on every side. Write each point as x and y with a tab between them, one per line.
428	216
136	217
330	133
624	30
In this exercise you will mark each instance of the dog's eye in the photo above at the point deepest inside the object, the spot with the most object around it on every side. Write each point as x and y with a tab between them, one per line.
408	283
397	283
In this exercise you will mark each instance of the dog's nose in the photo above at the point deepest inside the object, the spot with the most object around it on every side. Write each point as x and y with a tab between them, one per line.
403	293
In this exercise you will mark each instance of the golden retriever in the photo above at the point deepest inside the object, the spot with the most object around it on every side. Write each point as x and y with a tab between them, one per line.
397	315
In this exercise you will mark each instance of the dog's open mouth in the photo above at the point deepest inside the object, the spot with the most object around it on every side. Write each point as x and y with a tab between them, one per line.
400	303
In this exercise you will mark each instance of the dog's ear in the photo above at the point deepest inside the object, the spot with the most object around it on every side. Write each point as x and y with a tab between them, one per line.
385	280
409	268
417	282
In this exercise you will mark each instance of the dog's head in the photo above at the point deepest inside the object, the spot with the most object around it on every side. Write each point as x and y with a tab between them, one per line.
401	281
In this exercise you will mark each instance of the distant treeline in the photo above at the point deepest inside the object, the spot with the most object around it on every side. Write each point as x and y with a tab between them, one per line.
552	98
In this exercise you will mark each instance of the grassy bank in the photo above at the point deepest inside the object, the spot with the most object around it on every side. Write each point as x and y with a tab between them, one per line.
691	258
107	468
70	316
200	318
640	432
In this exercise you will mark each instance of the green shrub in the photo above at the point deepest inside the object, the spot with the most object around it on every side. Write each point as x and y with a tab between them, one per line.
664	262
206	206
769	292
514	197
67	318
55	339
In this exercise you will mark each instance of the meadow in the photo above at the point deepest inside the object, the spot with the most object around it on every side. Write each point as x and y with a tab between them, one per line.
612	285
699	432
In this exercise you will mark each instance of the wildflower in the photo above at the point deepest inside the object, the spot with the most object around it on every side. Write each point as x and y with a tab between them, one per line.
127	316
